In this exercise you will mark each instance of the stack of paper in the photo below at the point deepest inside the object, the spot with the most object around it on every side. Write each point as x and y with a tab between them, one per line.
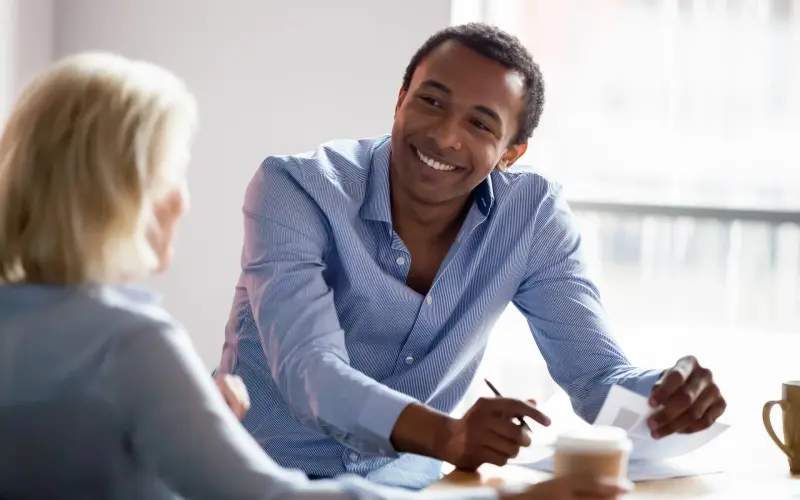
630	411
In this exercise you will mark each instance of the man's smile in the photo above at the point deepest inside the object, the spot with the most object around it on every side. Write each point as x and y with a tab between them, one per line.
434	163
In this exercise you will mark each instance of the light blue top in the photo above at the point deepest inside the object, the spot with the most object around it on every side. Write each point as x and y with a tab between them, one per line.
332	343
108	380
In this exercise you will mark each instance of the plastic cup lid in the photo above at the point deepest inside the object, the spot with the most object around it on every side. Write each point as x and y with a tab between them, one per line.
593	438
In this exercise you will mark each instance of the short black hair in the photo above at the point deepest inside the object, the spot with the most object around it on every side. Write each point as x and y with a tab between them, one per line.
504	48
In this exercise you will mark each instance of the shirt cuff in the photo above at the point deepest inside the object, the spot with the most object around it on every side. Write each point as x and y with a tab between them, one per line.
380	414
642	381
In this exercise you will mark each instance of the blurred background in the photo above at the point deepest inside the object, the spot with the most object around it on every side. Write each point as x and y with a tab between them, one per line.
673	125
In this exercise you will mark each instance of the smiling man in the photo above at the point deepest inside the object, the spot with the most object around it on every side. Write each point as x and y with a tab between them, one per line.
373	271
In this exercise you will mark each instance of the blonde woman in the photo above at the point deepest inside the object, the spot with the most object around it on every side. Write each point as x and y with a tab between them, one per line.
95	374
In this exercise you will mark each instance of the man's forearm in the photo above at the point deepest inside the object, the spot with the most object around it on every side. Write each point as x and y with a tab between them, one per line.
421	430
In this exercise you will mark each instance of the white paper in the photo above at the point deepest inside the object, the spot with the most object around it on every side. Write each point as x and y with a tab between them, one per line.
625	409
630	411
650	458
645	470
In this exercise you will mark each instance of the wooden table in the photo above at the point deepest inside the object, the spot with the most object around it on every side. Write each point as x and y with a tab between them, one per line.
752	468
774	485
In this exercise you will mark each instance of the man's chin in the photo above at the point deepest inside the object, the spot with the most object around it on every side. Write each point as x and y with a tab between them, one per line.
431	195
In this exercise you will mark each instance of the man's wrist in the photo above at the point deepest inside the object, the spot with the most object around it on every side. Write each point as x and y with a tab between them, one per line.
421	430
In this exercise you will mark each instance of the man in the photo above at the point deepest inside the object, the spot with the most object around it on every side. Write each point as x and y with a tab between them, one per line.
373	271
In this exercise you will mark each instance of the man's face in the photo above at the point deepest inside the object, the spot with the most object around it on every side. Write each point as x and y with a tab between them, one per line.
455	124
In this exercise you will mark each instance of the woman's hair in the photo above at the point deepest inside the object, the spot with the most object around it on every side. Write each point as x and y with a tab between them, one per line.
89	148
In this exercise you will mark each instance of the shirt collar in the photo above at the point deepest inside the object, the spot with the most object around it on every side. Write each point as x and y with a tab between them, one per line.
139	294
484	196
377	201
128	292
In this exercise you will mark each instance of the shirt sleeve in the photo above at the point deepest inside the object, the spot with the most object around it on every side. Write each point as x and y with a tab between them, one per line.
286	239
181	428
568	322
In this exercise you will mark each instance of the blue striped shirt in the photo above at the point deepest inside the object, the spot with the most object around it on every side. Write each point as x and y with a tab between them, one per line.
333	345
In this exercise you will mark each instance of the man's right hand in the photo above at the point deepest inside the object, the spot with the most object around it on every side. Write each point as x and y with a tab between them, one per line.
571	488
487	433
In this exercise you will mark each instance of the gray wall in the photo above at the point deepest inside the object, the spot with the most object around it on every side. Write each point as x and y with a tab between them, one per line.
270	77
26	45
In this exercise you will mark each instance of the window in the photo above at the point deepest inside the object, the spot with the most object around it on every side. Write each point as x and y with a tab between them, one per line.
674	127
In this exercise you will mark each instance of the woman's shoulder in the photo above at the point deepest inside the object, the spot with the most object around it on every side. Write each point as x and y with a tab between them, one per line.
88	312
141	334
113	314
129	309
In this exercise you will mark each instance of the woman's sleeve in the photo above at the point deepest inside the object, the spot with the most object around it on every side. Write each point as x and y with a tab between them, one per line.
182	429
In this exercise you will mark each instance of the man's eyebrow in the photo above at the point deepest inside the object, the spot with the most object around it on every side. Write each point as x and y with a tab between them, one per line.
489	112
437	85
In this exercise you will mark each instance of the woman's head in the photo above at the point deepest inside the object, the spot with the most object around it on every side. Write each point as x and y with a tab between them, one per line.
93	172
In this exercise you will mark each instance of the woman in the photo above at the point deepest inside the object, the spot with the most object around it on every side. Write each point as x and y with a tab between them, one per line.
92	184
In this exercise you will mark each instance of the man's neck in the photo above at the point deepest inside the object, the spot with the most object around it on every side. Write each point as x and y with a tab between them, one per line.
411	217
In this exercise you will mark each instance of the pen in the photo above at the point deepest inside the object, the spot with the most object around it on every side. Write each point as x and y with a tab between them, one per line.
497	393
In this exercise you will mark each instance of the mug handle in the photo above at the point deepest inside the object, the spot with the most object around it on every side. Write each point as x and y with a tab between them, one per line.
765	414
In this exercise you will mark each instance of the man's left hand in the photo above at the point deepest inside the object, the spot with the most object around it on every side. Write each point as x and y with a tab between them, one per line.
688	398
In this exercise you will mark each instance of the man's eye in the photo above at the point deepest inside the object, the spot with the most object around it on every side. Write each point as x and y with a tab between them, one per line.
480	125
432	101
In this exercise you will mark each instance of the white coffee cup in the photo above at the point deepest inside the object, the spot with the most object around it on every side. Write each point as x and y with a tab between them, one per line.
597	450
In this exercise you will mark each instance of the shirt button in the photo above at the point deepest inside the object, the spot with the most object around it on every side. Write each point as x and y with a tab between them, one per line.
429	299
353	457
409	360
400	261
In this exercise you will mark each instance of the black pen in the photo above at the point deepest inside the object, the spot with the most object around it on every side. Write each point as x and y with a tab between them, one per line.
497	393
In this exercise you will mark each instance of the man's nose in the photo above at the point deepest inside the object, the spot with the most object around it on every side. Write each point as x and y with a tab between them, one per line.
447	133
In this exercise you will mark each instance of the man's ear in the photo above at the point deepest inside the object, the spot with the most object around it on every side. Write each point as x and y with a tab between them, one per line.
512	154
401	96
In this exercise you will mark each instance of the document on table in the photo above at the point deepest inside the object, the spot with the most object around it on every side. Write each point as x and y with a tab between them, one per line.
630	411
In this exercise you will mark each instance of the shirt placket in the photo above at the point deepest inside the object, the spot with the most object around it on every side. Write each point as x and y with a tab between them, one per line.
399	258
436	304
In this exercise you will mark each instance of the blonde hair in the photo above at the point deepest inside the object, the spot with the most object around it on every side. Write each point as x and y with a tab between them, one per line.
90	146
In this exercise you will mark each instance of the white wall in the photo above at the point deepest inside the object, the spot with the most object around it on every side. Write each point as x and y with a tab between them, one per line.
270	77
6	16
26	45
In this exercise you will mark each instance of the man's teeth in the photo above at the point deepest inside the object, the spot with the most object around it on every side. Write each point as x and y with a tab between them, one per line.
433	163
